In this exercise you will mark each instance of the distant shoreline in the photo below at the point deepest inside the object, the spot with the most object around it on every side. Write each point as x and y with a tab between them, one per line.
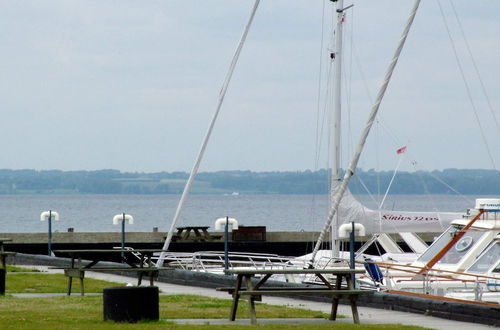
56	182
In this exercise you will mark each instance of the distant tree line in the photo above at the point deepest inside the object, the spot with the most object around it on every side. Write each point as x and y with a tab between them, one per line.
486	182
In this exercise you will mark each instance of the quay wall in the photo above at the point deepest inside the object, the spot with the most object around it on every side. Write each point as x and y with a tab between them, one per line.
137	237
158	237
284	243
281	243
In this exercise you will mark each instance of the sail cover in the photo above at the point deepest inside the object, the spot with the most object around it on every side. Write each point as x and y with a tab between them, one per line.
384	221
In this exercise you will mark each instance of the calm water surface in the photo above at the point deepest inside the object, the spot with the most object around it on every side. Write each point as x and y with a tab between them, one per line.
90	213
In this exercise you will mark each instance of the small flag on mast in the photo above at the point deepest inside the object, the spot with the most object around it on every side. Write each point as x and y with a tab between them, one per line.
401	150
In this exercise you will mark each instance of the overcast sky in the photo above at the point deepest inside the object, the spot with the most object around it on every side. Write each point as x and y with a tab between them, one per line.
132	85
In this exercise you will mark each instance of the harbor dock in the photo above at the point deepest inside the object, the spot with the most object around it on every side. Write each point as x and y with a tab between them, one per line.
246	239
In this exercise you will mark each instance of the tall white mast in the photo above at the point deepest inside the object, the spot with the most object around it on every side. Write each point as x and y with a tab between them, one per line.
364	135
335	128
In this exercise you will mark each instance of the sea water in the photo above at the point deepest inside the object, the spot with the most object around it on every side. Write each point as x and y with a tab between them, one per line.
94	213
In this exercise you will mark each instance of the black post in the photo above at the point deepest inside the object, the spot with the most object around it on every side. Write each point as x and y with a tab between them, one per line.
351	251
123	238
226	247
3	272
50	233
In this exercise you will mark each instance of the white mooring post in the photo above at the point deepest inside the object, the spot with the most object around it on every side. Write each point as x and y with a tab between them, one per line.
49	215
226	222
123	218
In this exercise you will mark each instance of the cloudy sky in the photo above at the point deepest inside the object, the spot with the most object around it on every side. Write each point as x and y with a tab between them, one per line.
132	85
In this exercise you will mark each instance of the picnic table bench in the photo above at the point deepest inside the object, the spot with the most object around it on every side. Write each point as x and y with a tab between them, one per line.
199	233
141	264
255	292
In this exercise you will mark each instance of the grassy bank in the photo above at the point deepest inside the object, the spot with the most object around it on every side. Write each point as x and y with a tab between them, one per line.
25	280
76	312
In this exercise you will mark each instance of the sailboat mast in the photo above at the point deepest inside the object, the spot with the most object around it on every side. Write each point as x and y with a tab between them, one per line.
335	128
339	193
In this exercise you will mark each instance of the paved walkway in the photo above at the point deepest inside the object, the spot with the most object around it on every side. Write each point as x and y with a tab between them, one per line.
367	315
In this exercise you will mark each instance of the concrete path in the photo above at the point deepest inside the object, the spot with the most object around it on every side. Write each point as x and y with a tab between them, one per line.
367	315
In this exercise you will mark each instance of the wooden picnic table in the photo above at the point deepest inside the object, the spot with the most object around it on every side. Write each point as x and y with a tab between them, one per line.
254	292
200	233
138	261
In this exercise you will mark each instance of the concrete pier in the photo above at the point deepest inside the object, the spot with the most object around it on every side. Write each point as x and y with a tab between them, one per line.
286	243
282	243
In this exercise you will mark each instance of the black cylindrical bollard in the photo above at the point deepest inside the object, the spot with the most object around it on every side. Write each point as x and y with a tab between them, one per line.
3	271
131	304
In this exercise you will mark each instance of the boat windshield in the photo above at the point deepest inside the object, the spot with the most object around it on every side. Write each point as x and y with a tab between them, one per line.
487	260
456	253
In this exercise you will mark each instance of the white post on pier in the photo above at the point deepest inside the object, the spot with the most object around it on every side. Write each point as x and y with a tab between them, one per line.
226	222
123	218
49	215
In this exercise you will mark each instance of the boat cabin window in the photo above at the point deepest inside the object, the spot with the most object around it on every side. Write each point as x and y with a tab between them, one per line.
456	253
487	260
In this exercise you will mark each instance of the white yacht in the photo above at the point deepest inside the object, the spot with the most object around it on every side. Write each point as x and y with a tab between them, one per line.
463	262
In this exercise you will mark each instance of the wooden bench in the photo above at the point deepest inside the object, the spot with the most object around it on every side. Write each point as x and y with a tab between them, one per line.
4	254
142	265
254	292
292	290
70	273
3	258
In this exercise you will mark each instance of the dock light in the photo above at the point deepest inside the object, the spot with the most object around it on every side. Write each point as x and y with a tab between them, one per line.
218	224
123	218
49	215
350	230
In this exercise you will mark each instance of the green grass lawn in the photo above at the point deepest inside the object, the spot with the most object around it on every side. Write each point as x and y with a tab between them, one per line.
16	269
36	282
77	312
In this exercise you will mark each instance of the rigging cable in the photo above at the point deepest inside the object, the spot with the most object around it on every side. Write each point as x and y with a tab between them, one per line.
469	94
365	187
330	101
348	83
474	64
369	123
390	183
204	144
419	167
318	105
318	112
395	139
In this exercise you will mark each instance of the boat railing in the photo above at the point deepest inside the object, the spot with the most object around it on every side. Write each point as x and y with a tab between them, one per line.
434	279
213	261
136	255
